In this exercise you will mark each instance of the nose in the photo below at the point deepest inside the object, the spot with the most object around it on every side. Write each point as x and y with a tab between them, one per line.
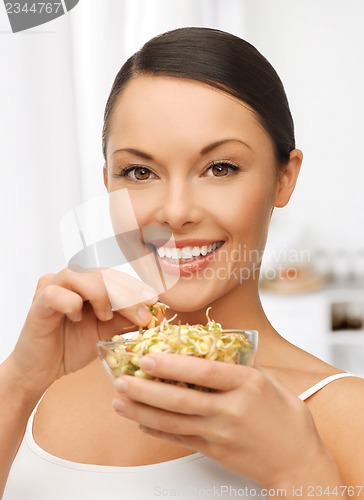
179	207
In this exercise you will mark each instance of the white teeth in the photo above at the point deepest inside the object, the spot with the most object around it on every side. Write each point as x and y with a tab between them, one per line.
186	252
161	252
175	253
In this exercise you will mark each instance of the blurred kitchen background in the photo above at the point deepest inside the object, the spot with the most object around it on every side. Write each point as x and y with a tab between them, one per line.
54	83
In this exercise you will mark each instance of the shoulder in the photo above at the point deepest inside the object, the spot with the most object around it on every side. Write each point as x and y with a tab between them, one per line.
338	411
300	370
339	401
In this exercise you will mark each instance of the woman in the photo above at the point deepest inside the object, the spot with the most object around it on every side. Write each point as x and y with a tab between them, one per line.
199	131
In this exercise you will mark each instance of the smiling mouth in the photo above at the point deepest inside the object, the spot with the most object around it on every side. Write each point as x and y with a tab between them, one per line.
186	254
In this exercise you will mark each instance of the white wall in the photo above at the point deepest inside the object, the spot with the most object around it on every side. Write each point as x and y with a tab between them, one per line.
54	82
318	49
38	162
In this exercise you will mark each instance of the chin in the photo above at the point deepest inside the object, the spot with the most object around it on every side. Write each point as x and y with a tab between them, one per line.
191	297
183	303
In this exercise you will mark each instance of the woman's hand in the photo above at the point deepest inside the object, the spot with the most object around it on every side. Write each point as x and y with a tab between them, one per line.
70	312
252	424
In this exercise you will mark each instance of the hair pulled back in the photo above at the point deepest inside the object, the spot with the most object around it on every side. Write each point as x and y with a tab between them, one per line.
223	61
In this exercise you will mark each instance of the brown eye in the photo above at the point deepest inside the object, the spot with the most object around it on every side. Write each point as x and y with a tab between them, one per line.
136	173
141	173
220	169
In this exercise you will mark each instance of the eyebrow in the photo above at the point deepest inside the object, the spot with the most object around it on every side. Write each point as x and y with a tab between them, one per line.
135	152
205	150
215	145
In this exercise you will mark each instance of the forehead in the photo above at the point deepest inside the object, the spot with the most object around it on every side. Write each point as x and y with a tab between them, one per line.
152	110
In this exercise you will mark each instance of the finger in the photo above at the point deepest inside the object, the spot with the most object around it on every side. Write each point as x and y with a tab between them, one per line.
166	396
124	291
91	287
42	282
123	322
190	369
70	304
138	315
56	299
161	420
129	296
193	442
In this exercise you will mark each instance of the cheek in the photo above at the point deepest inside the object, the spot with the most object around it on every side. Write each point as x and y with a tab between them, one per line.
258	208
248	212
145	205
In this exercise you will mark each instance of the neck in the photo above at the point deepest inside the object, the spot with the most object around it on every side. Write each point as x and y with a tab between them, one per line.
239	308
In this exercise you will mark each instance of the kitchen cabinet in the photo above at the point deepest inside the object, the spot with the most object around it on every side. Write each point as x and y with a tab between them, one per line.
328	323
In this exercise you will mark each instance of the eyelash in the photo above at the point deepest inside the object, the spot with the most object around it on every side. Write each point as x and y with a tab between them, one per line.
231	165
125	171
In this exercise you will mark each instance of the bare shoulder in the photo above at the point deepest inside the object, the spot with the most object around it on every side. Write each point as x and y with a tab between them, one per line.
338	411
337	408
340	401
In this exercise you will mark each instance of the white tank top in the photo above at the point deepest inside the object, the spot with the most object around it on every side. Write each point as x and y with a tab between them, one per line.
38	475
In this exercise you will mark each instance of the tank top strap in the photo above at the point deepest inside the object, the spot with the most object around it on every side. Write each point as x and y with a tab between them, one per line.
322	383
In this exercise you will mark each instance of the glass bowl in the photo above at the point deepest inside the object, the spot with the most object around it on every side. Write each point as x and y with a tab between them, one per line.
121	356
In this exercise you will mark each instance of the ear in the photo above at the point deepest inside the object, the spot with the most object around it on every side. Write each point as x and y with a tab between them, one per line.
288	178
106	180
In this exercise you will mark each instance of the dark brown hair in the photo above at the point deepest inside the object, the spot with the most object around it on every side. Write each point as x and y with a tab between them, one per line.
220	60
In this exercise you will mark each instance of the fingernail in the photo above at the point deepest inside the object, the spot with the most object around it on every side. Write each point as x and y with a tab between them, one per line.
144	314
118	405
77	316
108	314
147	363
121	385
147	295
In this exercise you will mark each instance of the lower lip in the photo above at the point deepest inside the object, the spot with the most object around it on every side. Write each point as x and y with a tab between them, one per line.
189	267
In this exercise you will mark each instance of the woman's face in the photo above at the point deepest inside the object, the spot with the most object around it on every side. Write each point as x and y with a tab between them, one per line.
197	162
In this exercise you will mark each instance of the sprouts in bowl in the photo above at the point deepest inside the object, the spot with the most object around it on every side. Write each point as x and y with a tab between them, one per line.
122	356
